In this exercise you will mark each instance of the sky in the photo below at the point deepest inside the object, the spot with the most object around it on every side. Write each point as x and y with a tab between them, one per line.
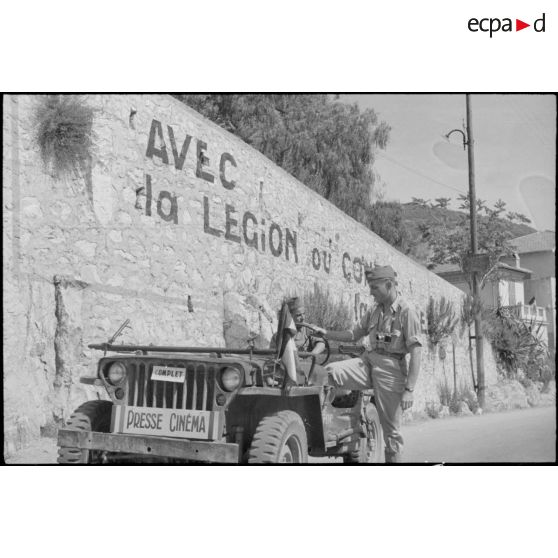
514	149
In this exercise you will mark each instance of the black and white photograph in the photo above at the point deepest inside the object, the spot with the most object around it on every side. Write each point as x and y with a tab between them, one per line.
279	278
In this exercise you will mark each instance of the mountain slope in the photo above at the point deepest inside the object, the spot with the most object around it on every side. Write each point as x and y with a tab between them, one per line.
415	215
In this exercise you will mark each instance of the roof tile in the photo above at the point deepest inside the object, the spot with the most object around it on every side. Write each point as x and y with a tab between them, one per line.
535	242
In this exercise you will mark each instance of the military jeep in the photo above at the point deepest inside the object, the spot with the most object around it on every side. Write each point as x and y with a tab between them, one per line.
215	405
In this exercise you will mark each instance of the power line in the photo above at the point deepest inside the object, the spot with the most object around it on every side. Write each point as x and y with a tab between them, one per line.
418	173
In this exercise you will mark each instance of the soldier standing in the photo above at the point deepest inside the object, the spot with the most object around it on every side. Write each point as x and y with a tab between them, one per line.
394	329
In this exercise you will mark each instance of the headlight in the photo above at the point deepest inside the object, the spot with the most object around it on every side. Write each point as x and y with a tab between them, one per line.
230	378
116	373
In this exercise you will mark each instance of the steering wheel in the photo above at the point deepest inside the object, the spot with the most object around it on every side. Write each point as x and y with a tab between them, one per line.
325	342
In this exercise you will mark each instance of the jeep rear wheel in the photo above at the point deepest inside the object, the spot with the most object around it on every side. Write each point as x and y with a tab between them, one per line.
279	438
93	416
370	446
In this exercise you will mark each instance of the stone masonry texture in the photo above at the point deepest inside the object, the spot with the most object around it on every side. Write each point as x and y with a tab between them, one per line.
181	228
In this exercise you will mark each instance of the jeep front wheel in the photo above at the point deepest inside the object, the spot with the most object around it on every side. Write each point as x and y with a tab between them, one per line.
93	416
279	438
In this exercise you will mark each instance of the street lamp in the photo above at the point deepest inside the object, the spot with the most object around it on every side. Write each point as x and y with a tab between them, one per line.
469	143
465	143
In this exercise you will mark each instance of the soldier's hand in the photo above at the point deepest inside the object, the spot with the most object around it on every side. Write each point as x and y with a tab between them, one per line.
318	330
407	400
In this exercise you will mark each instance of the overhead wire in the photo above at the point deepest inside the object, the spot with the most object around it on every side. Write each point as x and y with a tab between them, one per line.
533	124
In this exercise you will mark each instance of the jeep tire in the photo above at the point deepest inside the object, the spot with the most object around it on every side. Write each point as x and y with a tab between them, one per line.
279	438
93	416
370	448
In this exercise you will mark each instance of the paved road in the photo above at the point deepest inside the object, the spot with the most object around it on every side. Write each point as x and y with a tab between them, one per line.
526	435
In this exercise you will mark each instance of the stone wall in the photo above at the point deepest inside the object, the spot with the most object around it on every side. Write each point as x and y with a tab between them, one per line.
181	228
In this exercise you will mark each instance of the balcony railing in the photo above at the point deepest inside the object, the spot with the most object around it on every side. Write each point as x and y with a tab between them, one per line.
528	313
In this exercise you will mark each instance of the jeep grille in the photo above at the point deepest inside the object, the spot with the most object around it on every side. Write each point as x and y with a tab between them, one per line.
197	392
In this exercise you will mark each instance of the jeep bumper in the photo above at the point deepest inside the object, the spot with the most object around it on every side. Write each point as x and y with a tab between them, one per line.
150	446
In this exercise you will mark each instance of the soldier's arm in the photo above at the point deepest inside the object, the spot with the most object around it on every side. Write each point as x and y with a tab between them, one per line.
350	335
318	346
414	366
339	335
412	332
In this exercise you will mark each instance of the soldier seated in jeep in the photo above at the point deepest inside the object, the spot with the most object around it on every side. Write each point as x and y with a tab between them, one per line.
304	341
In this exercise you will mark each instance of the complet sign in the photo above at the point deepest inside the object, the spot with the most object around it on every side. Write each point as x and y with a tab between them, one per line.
169	374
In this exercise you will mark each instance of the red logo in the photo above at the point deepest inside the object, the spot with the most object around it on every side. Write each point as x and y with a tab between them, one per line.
519	25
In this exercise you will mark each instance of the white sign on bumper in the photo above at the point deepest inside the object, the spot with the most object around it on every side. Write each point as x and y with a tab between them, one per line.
175	423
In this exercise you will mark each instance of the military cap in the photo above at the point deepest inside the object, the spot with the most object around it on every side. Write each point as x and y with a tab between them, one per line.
380	272
295	305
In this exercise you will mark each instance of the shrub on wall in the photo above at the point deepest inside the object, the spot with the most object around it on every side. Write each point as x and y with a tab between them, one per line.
441	319
325	311
517	345
454	397
63	133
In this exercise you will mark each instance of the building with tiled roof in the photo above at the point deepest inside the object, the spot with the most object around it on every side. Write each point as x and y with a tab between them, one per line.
544	241
511	285
505	286
538	252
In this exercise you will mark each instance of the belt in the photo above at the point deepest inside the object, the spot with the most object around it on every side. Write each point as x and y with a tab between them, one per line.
396	356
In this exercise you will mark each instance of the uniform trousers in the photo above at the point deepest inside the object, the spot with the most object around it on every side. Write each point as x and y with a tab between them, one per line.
387	376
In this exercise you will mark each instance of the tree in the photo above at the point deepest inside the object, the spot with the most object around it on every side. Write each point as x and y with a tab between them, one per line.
519	217
452	244
442	203
481	204
387	221
518	345
420	201
328	145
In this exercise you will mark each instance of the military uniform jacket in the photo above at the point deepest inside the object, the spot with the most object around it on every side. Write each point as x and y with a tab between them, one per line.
399	321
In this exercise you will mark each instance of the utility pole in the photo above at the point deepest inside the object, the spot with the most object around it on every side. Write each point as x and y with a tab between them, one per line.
468	143
479	343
